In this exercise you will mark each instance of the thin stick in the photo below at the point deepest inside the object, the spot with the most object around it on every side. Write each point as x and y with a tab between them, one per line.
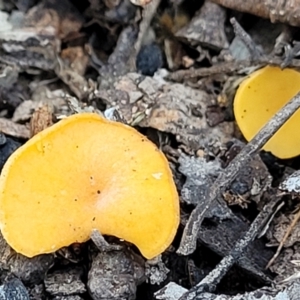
189	238
283	240
101	243
221	68
209	283
148	13
256	53
229	67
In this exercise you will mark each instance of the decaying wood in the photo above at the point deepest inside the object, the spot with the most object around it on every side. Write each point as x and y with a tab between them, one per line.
41	119
284	11
209	283
205	29
222	237
224	228
168	107
189	238
119	61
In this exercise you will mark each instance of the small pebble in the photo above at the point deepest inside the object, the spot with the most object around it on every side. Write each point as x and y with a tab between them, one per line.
149	59
13	290
2	139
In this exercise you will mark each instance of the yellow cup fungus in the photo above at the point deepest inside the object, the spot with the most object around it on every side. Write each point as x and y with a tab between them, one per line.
86	173
259	97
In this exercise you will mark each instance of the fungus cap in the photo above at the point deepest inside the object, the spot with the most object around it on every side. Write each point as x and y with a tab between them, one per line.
86	173
256	101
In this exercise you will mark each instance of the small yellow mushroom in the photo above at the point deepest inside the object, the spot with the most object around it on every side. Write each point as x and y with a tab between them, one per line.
259	97
86	173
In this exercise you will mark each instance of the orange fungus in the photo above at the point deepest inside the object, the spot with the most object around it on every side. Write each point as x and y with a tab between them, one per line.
86	173
257	100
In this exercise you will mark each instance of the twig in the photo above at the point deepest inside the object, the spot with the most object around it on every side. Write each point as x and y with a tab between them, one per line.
257	60
255	53
209	283
189	238
101	243
148	14
229	67
283	240
221	68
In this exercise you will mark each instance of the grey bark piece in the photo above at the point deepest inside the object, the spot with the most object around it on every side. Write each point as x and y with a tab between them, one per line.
226	228
221	237
189	237
210	282
167	107
200	174
172	291
13	290
205	29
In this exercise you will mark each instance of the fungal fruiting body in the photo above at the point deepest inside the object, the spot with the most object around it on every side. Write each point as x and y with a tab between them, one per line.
86	173
257	100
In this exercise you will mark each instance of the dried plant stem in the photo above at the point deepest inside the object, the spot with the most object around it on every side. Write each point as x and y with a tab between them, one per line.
101	243
255	52
189	238
284	11
230	67
221	68
283	240
149	11
209	283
